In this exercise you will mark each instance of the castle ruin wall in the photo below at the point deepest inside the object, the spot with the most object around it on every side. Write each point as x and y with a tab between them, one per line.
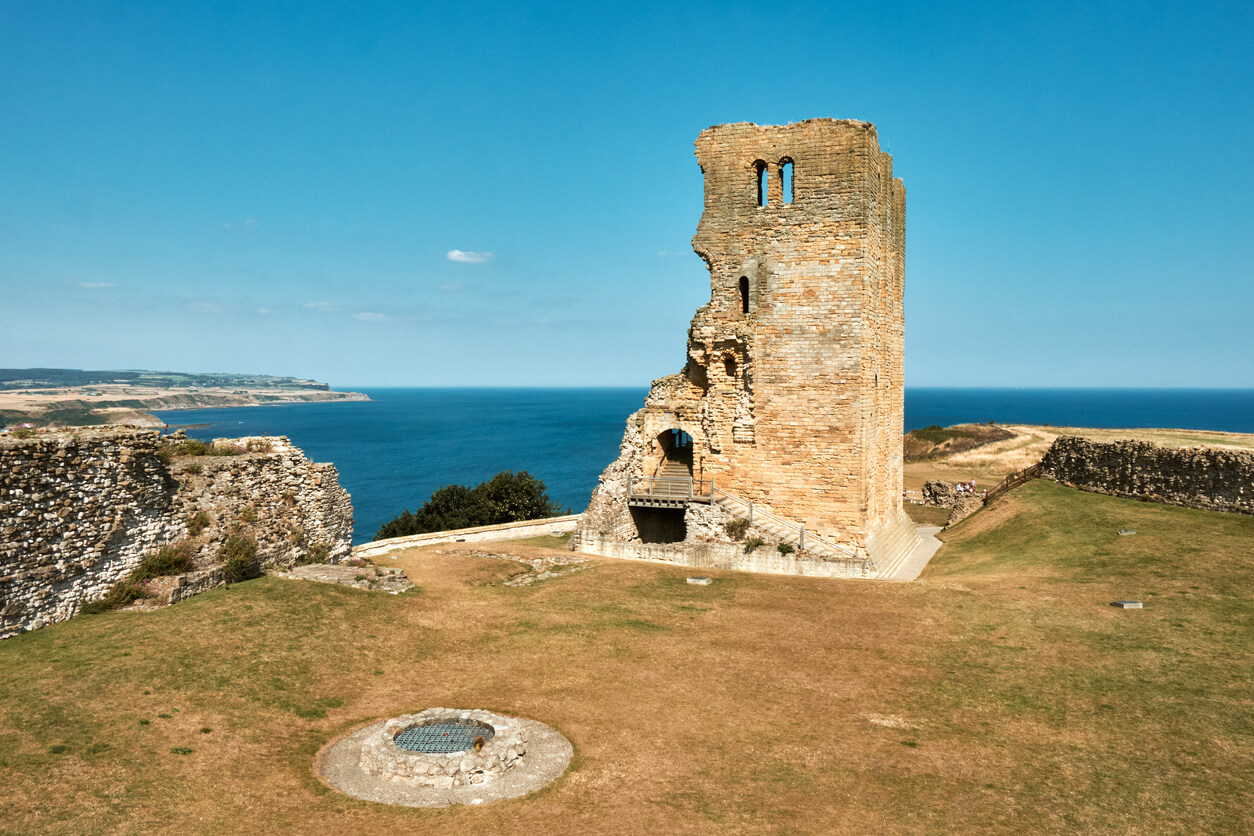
792	391
1195	477
80	508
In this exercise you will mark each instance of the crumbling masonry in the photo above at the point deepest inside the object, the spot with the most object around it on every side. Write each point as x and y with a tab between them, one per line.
791	397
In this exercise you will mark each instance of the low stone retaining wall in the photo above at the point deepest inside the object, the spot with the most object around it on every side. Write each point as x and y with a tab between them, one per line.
764	559
1195	477
383	758
505	531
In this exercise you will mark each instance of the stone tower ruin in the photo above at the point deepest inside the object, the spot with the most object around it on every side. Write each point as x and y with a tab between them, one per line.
790	403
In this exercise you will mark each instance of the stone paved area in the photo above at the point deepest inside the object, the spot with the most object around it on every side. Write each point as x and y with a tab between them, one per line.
913	565
360	577
542	568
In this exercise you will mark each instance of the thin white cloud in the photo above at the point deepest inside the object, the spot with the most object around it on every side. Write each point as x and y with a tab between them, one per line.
467	257
95	285
367	316
452	287
318	306
263	310
208	307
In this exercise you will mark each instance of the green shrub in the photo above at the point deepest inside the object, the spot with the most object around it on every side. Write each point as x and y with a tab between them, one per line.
167	560
506	497
227	450
318	552
259	445
248	514
786	548
23	432
194	468
180	750
122	593
239	557
191	447
752	544
736	528
197	523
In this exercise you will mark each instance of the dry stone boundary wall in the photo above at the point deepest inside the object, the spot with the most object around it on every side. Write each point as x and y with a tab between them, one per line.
80	508
1195	477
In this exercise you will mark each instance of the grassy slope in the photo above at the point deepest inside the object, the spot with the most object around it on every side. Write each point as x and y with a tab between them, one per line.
1000	693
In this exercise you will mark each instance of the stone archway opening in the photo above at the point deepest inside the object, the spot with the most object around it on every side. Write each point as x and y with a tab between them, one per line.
676	461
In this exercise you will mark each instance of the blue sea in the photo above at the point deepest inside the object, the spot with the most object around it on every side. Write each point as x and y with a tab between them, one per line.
395	449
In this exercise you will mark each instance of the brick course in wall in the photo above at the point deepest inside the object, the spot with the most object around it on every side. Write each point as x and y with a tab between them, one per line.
795	403
80	508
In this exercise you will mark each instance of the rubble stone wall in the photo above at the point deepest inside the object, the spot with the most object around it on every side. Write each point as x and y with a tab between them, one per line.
1195	477
792	391
80	508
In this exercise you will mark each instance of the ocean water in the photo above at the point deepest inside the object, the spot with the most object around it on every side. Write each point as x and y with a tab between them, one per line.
395	449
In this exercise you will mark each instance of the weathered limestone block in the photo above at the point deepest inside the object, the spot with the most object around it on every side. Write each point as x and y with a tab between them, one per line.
963	507
939	493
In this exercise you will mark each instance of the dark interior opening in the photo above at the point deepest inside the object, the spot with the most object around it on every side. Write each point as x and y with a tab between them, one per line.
660	525
676	450
744	294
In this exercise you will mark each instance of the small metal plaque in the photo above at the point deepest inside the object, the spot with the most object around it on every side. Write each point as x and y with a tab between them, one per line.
1127	605
701	581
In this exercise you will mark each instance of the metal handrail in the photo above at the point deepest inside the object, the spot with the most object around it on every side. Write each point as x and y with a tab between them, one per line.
678	487
789	524
671	487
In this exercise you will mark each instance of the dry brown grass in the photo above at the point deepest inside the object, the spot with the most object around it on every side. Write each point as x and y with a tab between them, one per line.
999	694
991	463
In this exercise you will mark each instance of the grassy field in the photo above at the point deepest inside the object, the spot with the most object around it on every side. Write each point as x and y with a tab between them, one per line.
999	693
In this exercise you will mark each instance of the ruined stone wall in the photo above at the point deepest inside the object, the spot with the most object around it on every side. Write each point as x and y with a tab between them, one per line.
729	556
80	508
796	404
1195	477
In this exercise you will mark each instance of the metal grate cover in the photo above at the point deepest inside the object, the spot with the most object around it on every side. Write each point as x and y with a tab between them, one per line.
444	736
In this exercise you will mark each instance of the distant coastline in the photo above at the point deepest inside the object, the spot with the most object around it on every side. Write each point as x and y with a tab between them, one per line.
72	397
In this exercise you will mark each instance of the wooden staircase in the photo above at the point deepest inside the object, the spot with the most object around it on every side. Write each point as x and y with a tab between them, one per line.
673	470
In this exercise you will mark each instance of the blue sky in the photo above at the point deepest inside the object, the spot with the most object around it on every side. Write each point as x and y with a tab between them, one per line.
277	187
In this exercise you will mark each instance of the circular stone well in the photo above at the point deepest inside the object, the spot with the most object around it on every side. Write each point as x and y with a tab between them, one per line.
445	756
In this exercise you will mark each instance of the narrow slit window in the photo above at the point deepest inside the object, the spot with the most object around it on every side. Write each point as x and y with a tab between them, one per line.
744	294
763	178
729	365
785	179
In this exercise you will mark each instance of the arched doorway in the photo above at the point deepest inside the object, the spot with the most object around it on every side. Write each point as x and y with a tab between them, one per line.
676	459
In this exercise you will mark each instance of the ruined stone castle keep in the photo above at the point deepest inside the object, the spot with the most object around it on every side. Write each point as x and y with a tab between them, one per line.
791	398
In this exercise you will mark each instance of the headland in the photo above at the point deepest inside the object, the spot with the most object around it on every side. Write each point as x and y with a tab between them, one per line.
73	397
